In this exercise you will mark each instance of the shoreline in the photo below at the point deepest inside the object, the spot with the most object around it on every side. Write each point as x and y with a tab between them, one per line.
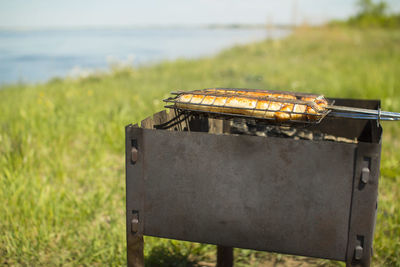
190	42
146	27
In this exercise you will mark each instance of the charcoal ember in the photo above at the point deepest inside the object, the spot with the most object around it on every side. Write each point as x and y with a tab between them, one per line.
346	140
262	134
242	126
307	135
239	127
287	131
330	138
318	136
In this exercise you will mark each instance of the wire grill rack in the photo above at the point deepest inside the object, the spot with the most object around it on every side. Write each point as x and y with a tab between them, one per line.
268	105
279	106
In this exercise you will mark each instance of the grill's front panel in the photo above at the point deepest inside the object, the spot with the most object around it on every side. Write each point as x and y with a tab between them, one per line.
268	194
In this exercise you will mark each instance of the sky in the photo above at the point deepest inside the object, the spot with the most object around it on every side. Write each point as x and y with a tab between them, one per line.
100	13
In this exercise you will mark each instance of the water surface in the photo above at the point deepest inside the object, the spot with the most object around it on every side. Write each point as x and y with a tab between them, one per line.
38	55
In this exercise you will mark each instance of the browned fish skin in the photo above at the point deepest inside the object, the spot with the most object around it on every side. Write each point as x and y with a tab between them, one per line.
262	106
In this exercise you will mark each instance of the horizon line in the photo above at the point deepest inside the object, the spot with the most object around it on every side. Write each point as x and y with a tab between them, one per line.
150	26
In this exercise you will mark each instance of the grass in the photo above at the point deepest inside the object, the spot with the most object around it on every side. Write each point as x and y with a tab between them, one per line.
62	143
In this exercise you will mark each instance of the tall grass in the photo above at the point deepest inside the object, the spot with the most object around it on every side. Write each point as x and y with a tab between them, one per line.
62	142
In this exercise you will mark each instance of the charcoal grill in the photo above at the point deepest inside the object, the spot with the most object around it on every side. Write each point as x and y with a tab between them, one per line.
189	178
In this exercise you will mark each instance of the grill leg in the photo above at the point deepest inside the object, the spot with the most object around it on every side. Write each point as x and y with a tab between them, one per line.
224	256
358	264
135	251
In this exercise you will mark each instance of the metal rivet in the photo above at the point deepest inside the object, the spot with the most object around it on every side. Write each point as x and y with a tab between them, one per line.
358	251
134	154
365	175
135	223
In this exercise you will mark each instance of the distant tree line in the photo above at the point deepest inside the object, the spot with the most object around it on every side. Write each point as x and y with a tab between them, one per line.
372	14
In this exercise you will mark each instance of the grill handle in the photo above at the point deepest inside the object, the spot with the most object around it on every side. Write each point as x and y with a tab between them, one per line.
362	113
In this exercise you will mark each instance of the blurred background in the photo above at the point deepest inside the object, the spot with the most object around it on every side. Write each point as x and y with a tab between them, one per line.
42	39
74	73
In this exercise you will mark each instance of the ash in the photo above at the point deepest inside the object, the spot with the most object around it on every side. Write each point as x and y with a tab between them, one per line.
296	133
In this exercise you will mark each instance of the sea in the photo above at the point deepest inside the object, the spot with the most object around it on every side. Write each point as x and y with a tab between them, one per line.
30	56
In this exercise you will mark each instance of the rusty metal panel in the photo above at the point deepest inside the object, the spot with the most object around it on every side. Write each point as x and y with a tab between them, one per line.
134	195
272	194
364	205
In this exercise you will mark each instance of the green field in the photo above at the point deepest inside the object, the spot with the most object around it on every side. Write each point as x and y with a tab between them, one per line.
62	187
